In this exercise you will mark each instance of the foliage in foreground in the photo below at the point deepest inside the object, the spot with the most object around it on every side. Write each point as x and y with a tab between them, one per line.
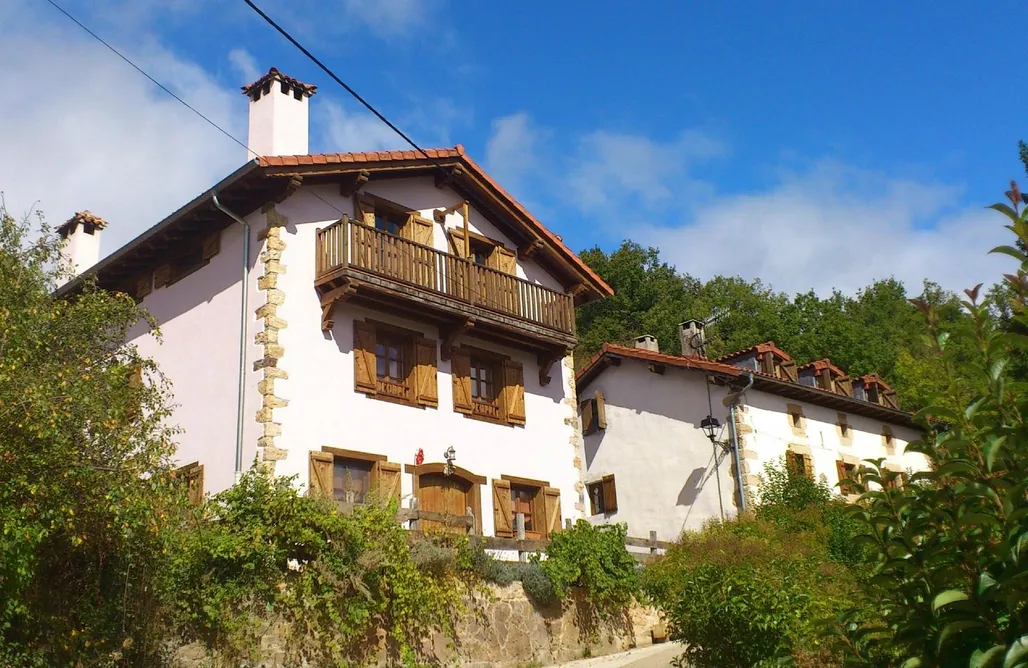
951	554
754	590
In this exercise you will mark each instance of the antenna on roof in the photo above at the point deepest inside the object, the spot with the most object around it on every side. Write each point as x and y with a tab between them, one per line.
719	313
691	333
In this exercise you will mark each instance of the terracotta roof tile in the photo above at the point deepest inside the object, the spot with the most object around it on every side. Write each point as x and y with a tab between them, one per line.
820	365
83	217
767	346
274	74
873	378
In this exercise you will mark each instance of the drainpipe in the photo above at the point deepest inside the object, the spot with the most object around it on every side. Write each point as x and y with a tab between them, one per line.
735	443
242	333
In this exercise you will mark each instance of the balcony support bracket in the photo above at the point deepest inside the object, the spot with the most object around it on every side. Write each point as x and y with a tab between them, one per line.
328	302
450	337
546	362
353	182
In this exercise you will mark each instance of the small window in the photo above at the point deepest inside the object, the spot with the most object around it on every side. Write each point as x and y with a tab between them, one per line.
799	464
392	363
603	495
593	414
525	499
796	420
485	386
845	431
351	480
888	440
847	471
488	386
390	221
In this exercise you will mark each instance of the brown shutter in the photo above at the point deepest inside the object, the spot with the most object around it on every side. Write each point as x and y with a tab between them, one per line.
211	245
789	371
601	411
365	209
194	481
840	470
844	386
588	408
456	240
421	230
551	510
388	480
610	494
460	372
502	513
514	391
427	393
320	473
891	400
808	466
162	276
506	261
364	369
767	363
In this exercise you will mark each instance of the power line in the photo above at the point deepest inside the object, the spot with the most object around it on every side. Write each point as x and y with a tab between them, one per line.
339	81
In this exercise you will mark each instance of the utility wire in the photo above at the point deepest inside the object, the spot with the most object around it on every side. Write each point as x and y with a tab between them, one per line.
339	81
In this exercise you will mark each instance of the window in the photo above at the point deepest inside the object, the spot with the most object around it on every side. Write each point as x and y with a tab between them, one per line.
534	499
797	421
603	495
395	364
799	462
392	218
849	471
895	479
888	440
350	477
844	430
593	413
488	386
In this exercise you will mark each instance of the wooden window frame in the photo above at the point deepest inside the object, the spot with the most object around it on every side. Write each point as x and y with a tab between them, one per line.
412	217
593	414
606	484
794	410
500	364
476	485
380	467
411	338
847	469
494	362
800	454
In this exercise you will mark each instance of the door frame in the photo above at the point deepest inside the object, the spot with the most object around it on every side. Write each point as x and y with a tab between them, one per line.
476	482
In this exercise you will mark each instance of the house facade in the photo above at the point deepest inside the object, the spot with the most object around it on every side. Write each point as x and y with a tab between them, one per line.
672	441
386	321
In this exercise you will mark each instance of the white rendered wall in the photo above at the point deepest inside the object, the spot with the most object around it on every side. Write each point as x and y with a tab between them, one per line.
198	318
81	250
663	463
325	410
279	123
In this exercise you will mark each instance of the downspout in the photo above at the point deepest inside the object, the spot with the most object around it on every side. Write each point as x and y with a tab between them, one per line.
735	443
242	333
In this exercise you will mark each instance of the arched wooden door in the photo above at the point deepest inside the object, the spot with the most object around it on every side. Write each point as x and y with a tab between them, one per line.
450	494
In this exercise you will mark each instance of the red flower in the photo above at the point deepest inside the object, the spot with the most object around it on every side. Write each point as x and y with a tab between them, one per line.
419	457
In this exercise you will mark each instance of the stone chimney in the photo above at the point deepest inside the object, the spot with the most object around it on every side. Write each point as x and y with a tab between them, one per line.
647	342
279	114
690	333
81	235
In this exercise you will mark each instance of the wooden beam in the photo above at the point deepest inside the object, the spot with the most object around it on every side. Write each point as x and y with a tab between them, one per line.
450	336
533	247
287	191
351	183
445	178
577	290
328	302
440	216
658	368
546	362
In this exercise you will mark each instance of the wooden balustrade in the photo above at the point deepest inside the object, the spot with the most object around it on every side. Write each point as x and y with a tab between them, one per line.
349	244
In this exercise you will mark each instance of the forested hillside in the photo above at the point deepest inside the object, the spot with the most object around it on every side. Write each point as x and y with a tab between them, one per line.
879	329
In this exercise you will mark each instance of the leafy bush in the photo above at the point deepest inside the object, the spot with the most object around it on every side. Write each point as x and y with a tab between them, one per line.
743	592
951	564
594	558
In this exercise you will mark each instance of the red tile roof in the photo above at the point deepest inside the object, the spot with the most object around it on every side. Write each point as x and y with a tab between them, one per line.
83	217
875	378
767	346
274	74
455	153
821	365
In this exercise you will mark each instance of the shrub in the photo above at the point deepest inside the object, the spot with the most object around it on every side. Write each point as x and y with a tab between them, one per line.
594	558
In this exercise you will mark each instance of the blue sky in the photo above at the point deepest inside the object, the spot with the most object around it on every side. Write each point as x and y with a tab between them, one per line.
812	145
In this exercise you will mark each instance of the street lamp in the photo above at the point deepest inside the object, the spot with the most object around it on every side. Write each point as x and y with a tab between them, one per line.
449	455
710	427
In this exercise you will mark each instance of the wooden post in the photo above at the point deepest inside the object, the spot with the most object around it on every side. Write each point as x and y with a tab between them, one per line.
653	542
414	506
519	525
471	527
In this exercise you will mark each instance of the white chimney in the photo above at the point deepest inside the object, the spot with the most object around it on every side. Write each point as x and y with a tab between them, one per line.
647	342
279	114
81	235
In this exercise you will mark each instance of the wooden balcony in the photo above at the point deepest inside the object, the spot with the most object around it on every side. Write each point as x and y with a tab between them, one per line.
360	262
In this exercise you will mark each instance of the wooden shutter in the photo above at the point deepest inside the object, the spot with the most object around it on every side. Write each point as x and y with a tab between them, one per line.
421	230
506	261
588	408
502	514
551	510
610	494
767	363
844	386
365	209
387	475
808	466
320	473
427	389
456	240
514	391
601	412
211	245
840	469
789	371
192	476
891	400
364	370
460	372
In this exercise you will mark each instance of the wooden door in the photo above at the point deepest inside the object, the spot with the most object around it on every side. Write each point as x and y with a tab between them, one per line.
439	493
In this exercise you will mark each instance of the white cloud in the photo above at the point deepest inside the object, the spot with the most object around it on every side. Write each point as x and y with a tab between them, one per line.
353	131
90	132
836	226
388	18
512	150
243	62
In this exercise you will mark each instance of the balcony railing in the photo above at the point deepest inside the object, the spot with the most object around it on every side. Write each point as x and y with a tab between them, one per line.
349	244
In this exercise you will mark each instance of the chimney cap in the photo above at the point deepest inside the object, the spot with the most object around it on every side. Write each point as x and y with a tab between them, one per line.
647	342
253	90
83	218
699	323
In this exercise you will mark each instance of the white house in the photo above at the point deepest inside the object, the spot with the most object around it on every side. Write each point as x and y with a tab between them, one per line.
390	318
651	463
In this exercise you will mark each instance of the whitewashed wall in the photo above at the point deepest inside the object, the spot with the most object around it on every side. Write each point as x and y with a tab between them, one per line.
663	463
324	409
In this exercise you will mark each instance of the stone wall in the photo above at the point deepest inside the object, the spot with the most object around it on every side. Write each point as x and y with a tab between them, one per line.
504	628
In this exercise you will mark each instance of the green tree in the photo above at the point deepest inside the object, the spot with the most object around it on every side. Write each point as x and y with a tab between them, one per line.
86	503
